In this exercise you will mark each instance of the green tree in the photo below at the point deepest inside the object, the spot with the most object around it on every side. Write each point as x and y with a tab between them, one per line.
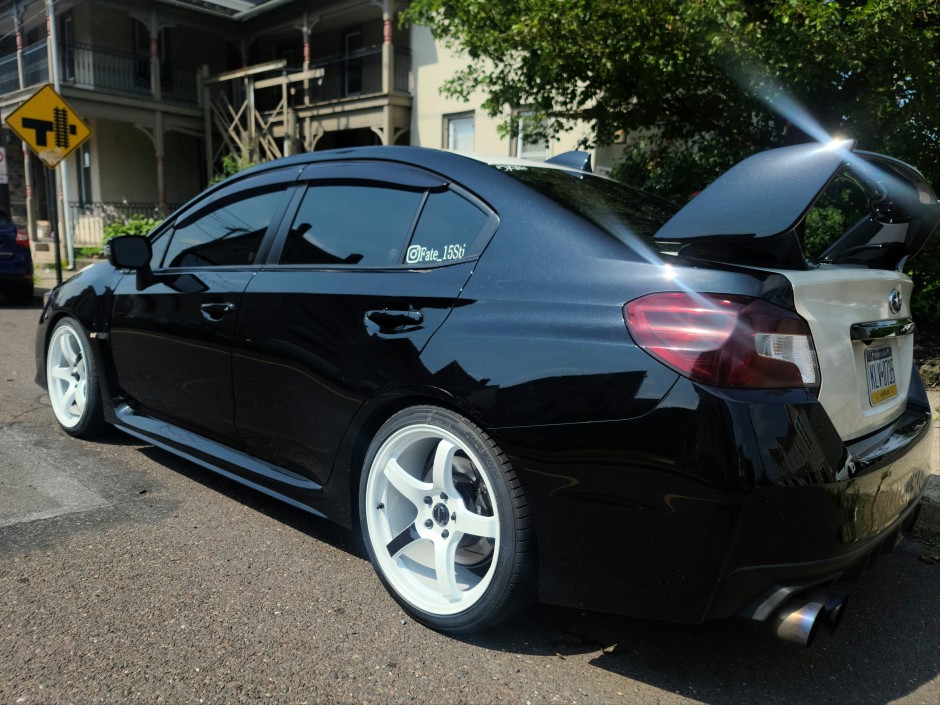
698	85
705	82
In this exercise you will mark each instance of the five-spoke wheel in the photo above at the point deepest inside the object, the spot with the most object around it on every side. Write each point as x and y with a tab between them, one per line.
72	380
444	520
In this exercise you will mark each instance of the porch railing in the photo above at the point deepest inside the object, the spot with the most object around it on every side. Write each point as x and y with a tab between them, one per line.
402	70
35	64
90	219
9	74
93	67
347	75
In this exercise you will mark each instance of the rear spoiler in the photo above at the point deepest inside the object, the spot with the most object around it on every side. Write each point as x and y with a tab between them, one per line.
752	214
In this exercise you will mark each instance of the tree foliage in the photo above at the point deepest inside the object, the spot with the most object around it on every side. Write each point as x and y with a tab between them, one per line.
697	85
705	82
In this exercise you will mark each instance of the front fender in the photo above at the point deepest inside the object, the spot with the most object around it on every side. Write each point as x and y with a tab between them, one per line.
86	297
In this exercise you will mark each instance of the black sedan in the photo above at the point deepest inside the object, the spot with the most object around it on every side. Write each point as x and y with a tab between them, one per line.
522	380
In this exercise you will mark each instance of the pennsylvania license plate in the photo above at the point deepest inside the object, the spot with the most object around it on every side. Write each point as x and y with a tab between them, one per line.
882	385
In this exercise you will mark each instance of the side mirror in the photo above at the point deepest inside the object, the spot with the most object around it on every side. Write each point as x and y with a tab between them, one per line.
129	252
132	252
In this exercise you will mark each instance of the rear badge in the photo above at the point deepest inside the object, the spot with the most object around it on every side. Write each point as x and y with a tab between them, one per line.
895	301
879	364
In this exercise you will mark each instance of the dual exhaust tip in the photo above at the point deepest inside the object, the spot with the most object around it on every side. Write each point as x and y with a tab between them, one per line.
799	619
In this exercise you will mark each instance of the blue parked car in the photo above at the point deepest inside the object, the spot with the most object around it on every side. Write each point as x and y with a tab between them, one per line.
16	262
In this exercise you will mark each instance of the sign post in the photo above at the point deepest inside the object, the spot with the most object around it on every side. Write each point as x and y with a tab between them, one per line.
49	127
4	181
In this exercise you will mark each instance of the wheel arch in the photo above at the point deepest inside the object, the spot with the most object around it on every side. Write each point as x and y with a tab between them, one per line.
347	467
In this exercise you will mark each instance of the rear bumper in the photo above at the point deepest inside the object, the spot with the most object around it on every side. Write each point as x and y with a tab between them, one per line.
17	277
711	502
842	527
802	532
754	592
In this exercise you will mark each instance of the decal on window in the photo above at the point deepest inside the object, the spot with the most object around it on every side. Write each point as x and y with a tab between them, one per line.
418	254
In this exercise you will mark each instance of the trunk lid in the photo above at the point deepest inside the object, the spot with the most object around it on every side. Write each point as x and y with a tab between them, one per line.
779	210
861	326
756	212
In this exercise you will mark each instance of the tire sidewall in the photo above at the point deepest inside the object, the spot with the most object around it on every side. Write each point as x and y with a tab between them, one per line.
476	615
91	419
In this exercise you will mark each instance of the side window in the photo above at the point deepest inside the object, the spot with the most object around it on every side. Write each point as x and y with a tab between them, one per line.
229	234
448	226
340	224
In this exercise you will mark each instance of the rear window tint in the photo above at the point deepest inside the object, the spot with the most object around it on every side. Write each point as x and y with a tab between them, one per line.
446	230
615	208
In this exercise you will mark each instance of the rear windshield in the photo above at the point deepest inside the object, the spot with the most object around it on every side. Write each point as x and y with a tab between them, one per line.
615	208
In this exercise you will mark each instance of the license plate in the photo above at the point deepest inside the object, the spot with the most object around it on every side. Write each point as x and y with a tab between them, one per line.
882	385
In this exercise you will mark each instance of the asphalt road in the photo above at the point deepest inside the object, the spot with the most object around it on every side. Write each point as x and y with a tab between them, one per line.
127	575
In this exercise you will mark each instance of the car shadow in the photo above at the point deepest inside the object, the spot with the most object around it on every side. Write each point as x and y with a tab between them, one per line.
887	647
310	524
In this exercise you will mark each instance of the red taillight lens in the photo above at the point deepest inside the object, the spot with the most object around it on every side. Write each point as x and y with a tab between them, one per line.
22	239
725	340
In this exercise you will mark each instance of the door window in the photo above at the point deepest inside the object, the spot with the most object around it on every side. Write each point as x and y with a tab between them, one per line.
230	234
344	224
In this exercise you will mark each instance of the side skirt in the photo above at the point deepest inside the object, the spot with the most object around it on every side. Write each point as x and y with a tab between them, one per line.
213	456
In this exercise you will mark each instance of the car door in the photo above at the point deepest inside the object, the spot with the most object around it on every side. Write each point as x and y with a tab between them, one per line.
366	270
171	333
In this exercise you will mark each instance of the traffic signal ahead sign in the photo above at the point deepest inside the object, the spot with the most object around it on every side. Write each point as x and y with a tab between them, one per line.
48	126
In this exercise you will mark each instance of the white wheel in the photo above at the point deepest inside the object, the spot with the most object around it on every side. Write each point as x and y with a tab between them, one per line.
442	518
72	381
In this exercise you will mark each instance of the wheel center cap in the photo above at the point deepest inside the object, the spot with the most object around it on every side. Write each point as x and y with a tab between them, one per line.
441	514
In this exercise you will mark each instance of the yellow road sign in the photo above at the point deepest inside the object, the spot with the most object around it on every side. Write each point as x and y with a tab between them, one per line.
48	126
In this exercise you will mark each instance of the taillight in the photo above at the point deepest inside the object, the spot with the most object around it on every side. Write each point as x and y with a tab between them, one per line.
22	239
725	340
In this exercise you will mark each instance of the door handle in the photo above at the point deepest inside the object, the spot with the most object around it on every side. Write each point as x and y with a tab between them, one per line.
215	311
393	319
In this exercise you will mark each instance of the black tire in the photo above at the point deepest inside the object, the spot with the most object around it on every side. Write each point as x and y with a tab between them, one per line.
493	577
72	380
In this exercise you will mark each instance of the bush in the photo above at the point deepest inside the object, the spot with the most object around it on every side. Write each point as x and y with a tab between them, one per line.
232	164
925	271
135	225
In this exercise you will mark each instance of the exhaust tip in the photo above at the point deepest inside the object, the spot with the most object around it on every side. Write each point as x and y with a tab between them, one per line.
834	604
798	621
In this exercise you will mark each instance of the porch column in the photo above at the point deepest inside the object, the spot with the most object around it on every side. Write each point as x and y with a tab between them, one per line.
306	34
60	174
154	27
207	121
388	47
18	25
158	148
388	69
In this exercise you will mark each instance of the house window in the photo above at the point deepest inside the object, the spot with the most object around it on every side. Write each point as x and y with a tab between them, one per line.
458	132
525	149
